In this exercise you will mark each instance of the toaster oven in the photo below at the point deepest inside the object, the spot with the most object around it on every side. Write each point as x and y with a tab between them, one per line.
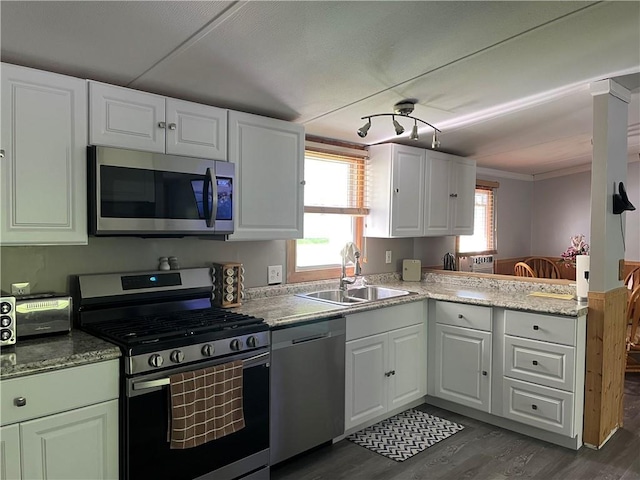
43	314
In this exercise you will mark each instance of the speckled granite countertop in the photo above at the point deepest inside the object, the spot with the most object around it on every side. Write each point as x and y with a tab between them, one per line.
282	307
44	354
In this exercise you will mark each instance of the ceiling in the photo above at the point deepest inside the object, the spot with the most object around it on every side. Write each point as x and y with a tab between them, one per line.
506	82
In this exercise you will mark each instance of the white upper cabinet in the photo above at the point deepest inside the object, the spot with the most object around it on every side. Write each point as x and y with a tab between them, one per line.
450	191
43	172
269	189
418	193
121	117
397	196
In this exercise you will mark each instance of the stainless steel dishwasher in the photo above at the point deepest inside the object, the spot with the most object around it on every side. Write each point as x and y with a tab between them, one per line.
307	386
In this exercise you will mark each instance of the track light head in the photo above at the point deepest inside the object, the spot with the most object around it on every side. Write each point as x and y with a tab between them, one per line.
435	143
399	128
362	132
414	131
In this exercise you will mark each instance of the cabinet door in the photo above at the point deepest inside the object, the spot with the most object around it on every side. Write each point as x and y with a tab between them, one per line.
408	362
365	380
407	201
196	130
43	174
269	158
463	366
121	117
463	187
10	452
78	444
437	208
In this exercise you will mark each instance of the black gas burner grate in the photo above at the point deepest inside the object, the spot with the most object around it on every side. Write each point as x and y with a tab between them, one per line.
155	328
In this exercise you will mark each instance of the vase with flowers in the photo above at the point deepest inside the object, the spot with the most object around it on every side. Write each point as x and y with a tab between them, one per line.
577	247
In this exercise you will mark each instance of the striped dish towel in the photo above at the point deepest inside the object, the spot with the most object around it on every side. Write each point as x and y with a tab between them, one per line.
205	404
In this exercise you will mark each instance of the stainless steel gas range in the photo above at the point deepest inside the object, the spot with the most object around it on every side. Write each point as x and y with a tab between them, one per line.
165	324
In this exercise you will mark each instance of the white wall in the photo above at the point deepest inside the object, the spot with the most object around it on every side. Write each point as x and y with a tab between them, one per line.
561	208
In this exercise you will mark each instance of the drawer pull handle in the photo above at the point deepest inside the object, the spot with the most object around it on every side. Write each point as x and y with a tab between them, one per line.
535	407
20	401
460	315
389	373
535	362
484	372
536	327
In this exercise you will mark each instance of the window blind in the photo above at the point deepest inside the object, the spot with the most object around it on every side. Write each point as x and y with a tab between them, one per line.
483	239
335	184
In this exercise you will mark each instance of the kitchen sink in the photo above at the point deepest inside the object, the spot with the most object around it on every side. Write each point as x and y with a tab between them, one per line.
371	293
338	297
354	295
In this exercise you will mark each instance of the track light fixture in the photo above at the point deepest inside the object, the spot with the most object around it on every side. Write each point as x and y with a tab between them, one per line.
403	109
364	129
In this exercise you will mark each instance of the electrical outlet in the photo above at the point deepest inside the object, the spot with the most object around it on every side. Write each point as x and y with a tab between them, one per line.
387	256
274	274
20	288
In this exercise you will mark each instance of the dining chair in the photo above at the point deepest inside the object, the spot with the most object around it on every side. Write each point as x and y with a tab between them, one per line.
543	267
632	280
521	269
633	332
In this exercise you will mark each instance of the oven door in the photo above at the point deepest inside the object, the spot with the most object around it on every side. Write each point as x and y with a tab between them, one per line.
151	194
238	455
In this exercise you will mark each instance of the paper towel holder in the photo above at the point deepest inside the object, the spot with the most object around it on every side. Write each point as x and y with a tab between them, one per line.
621	200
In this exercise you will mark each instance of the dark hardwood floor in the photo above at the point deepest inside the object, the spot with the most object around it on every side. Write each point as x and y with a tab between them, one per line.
481	451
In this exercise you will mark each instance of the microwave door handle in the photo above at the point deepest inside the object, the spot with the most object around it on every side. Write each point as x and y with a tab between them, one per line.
211	180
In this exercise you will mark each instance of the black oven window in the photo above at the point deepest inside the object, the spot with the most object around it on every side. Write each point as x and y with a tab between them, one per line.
137	193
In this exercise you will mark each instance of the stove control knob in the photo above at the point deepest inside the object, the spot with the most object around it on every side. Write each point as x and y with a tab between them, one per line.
236	344
156	360
177	356
252	342
208	350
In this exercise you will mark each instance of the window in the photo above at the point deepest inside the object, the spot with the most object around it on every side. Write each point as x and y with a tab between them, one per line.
483	240
334	207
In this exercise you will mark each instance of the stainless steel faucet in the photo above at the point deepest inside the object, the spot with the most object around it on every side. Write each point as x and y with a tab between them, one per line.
344	281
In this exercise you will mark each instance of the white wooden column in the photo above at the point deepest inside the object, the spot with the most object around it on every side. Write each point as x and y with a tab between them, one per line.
606	324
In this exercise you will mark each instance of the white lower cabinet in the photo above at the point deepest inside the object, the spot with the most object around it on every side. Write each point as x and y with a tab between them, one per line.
463	366
61	425
10	452
527	368
384	371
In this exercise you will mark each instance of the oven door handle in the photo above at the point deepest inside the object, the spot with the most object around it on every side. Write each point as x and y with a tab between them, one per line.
161	382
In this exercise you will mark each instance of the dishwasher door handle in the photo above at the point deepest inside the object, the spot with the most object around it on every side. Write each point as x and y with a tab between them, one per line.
311	338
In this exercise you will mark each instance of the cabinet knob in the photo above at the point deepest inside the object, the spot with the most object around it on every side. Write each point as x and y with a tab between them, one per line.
172	126
484	372
303	182
1	152
20	401
460	315
535	362
534	407
162	125
397	190
536	327
453	195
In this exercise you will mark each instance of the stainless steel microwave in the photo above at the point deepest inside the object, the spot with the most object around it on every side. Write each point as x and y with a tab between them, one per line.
148	194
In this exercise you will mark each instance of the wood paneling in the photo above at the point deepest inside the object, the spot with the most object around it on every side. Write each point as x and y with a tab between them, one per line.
605	363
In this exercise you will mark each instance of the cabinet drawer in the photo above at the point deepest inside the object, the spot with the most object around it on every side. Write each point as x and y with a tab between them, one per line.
543	363
384	319
542	407
57	391
463	315
547	328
